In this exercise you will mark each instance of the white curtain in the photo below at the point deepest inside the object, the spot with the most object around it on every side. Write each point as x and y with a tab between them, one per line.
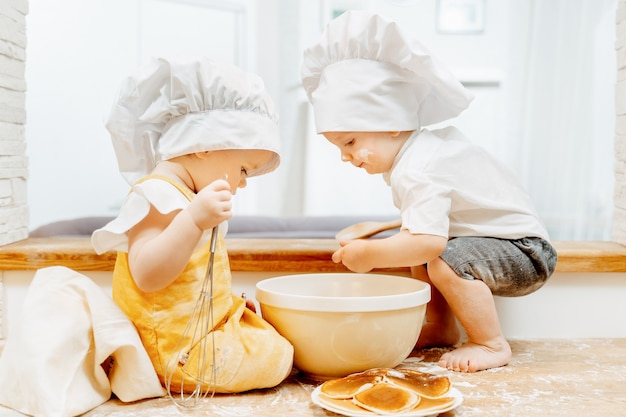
565	114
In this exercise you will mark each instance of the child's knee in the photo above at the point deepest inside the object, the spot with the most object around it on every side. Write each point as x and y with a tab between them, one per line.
440	273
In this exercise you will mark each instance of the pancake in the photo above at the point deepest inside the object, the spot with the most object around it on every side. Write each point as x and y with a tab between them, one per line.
384	398
423	384
424	406
387	391
433	405
337	405
347	387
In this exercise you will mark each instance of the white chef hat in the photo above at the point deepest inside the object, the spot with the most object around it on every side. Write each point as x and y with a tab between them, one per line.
366	74
174	107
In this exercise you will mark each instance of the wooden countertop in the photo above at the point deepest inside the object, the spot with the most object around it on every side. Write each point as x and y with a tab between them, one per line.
280	255
573	378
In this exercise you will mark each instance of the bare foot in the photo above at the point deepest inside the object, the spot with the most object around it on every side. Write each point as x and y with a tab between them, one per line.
438	335
472	357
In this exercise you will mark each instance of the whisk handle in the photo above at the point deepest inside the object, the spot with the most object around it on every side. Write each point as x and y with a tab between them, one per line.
213	239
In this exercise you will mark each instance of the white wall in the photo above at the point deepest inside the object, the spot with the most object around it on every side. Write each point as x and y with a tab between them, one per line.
619	225
78	52
73	171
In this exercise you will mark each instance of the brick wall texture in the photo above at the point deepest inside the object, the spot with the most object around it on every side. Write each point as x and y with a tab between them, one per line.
13	162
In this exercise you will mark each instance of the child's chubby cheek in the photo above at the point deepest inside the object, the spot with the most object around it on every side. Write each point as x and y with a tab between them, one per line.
364	155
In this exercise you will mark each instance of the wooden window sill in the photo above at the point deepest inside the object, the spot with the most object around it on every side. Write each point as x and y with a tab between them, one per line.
279	255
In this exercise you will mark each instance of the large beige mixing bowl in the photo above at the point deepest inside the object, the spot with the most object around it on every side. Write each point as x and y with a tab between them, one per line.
346	322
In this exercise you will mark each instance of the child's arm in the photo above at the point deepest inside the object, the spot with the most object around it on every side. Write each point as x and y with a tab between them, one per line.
401	249
159	247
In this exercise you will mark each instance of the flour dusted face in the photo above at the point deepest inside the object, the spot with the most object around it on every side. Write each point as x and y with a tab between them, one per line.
375	152
364	154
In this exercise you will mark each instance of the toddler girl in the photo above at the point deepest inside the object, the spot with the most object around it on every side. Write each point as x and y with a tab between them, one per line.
186	135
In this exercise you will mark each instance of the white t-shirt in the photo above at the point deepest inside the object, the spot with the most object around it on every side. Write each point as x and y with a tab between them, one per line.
446	186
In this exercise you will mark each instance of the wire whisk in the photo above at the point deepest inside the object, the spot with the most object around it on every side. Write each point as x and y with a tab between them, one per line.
194	384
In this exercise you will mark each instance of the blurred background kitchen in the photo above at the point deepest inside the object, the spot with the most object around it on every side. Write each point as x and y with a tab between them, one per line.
543	72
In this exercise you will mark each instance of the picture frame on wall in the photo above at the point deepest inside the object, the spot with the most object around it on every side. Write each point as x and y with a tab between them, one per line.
460	17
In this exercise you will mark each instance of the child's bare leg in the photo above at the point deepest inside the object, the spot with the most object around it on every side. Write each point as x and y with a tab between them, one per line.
473	305
440	327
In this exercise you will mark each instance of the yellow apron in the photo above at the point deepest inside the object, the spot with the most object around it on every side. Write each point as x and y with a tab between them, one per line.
250	353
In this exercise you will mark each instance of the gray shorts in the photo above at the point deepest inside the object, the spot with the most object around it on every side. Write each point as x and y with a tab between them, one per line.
510	268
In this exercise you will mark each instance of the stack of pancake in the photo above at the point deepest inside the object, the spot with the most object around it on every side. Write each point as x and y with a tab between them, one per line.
387	391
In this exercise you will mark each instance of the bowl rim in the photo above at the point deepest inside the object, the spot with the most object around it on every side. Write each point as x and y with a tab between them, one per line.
412	299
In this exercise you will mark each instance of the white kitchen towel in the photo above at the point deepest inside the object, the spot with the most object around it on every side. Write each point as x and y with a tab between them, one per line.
68	326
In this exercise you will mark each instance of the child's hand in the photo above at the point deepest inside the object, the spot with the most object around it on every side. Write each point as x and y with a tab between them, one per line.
212	205
353	255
